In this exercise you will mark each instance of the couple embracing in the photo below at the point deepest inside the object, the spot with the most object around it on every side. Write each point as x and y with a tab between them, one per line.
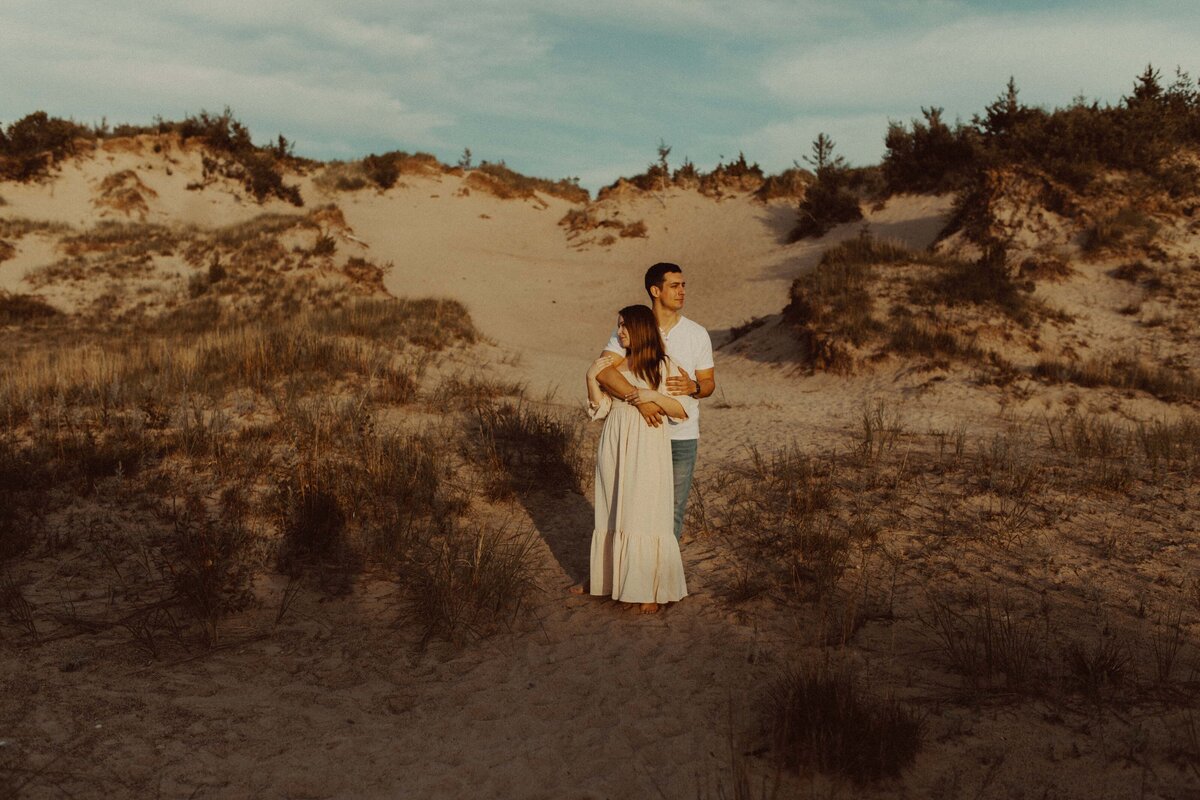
646	387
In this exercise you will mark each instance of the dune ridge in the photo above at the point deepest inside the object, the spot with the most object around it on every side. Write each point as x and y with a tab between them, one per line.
976	530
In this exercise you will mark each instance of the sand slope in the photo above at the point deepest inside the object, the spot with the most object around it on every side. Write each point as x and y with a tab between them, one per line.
582	699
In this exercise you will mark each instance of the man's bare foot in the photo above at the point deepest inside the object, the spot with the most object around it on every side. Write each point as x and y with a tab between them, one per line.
650	608
579	588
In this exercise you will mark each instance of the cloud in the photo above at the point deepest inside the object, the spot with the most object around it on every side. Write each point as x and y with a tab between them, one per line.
964	63
363	70
569	86
858	137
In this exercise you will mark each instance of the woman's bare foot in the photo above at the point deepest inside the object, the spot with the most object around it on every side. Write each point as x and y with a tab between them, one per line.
650	608
579	588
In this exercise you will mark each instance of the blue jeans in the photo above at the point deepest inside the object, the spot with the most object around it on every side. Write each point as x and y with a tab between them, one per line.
683	464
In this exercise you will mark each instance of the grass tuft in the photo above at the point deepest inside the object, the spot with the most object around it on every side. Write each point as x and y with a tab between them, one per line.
821	716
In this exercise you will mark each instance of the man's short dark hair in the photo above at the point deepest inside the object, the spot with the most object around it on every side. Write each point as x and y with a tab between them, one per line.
658	273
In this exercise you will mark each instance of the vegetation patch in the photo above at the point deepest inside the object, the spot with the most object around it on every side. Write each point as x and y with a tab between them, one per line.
821	716
18	309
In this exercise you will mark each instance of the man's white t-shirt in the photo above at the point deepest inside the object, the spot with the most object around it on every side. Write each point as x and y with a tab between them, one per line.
690	347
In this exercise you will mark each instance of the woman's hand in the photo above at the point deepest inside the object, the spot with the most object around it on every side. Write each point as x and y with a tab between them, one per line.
599	365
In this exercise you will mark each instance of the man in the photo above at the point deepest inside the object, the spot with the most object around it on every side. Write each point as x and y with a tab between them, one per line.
690	347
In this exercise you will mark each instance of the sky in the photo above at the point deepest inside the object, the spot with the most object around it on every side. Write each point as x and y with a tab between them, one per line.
577	88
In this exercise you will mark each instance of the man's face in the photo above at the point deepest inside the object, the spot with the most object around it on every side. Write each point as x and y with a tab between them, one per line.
670	294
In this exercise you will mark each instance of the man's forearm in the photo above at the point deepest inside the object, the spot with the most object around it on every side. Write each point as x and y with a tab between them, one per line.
613	382
707	387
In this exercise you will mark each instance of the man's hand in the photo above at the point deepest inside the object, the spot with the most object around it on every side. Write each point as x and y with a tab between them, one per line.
681	384
651	413
613	382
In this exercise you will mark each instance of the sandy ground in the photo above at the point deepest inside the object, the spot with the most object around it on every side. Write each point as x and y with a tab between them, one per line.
582	699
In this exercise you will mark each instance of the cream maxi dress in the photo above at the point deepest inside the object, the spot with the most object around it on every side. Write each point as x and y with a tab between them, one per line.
635	557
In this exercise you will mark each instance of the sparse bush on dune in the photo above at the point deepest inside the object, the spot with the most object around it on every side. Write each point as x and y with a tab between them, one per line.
1128	227
828	201
18	227
18	309
35	143
232	154
832	302
791	183
986	283
519	185
209	566
427	322
384	170
868	298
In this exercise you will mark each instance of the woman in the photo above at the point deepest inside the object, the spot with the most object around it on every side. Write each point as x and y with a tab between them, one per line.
635	557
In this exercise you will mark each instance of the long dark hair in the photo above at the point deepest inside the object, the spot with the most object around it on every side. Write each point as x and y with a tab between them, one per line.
646	352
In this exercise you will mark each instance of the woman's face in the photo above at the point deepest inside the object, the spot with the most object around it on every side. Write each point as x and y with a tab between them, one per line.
622	332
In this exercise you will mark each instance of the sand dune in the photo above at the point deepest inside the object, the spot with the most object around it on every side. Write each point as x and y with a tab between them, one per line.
582	699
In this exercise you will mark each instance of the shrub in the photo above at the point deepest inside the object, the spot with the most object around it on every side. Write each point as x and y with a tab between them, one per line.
1129	371
1073	144
986	282
911	336
312	521
17	309
989	641
820	716
835	293
257	168
383	171
776	513
427	322
522	185
789	183
932	157
1128	226
827	201
36	142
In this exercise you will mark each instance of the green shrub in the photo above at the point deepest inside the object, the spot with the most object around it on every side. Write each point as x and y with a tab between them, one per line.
1073	144
932	157
828	201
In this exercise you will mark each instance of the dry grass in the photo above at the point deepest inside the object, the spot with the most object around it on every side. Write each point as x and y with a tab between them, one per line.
820	715
932	304
1126	228
234	418
525	448
1128	371
945	566
469	582
18	227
